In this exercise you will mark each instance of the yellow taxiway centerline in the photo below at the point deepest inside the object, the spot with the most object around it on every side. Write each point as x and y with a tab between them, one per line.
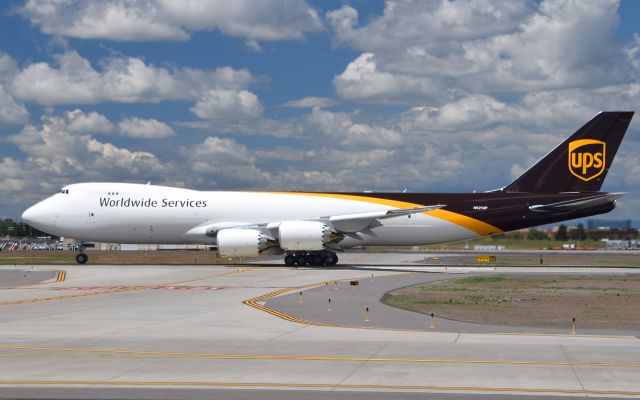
123	353
319	386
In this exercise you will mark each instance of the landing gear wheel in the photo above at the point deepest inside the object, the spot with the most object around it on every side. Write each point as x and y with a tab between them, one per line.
290	260
316	259
331	259
311	258
82	258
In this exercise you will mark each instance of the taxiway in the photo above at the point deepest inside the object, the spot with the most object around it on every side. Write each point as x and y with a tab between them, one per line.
110	331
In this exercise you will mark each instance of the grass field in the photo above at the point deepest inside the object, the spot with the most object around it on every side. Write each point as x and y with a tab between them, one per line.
534	301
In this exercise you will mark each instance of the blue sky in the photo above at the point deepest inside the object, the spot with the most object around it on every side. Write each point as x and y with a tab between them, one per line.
427	96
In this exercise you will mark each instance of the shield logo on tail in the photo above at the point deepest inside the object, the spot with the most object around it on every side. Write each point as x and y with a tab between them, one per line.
587	158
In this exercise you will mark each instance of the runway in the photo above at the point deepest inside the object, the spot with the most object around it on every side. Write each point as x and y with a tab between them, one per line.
202	332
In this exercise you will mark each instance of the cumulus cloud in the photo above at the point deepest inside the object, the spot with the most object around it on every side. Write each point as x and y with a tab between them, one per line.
11	111
78	122
423	21
139	128
73	80
254	46
416	48
310	102
60	150
363	80
87	123
169	20
227	105
219	95
340	128
224	162
65	154
8	67
52	156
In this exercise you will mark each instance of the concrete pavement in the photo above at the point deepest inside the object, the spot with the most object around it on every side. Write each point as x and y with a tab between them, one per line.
127	330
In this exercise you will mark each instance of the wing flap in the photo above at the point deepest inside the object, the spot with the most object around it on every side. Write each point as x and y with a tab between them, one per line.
349	223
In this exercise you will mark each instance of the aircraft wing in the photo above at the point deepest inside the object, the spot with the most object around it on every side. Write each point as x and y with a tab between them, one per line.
211	228
345	223
350	223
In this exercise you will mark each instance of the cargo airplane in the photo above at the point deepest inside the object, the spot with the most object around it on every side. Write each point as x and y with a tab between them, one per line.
310	228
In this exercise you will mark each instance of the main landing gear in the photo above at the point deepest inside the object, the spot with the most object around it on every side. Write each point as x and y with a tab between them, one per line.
312	258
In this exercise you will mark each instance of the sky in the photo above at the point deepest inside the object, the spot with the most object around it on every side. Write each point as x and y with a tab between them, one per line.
427	96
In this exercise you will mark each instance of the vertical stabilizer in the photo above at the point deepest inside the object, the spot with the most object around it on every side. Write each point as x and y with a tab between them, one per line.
580	163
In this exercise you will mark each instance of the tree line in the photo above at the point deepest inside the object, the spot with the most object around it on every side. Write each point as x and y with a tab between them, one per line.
578	233
10	228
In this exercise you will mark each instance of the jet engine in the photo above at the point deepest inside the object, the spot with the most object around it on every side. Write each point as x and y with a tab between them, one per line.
236	242
306	235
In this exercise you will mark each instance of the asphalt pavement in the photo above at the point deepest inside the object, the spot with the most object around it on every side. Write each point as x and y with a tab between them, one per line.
345	303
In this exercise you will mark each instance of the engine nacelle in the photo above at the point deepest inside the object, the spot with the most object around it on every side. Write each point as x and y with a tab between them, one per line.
236	242
305	235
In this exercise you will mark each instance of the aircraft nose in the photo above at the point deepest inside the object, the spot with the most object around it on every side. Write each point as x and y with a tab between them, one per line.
28	214
35	215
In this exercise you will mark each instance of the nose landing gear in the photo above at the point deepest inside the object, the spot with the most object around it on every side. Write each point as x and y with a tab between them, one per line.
311	258
81	258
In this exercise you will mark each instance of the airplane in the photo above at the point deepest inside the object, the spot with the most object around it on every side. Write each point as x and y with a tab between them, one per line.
311	228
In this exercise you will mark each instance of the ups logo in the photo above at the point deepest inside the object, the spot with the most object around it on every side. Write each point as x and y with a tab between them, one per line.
587	158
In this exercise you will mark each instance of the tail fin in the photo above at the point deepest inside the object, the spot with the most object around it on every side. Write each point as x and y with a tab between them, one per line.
581	162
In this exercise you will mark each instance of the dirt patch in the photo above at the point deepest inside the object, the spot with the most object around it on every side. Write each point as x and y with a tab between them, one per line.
529	301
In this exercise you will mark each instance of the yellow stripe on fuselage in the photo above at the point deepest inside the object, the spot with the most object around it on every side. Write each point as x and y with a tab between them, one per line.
474	225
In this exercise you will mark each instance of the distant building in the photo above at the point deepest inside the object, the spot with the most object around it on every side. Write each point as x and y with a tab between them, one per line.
479	247
619	224
610	229
621	244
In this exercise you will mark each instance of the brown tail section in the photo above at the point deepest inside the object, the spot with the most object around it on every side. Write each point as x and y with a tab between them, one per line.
581	162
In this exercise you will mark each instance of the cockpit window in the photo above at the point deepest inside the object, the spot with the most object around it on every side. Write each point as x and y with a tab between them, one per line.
64	191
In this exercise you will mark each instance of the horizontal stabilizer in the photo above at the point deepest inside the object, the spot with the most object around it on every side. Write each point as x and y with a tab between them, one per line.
578	204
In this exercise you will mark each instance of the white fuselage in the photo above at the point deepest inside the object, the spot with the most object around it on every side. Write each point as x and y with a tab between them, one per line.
134	213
